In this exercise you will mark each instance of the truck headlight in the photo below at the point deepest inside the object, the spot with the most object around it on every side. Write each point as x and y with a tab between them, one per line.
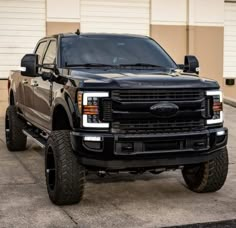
88	104
217	106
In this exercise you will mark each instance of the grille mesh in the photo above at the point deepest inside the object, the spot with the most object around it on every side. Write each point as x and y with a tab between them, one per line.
156	95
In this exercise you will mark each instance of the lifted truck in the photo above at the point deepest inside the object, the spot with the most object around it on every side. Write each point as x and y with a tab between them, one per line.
106	102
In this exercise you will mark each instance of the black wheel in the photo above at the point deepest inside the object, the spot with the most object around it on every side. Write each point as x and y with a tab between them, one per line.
15	139
209	176
65	177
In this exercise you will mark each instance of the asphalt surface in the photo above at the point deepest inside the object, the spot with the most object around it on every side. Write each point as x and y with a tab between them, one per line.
123	200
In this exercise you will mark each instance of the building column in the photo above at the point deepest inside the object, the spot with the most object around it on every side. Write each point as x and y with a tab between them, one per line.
205	36
62	16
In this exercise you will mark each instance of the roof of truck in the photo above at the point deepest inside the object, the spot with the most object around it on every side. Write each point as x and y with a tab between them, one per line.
96	35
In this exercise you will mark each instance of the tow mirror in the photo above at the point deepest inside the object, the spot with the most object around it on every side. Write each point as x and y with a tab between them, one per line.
191	64
30	63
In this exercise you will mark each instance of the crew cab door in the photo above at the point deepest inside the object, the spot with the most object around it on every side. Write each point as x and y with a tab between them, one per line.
43	88
27	86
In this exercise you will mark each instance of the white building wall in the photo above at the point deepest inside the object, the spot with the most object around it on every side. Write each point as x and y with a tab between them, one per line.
230	41
63	10
123	16
169	12
22	24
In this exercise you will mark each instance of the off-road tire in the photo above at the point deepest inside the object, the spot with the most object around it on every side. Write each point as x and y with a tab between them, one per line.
65	185
209	176
15	139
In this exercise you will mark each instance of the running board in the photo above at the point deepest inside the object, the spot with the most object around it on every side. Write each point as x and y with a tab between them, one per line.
36	138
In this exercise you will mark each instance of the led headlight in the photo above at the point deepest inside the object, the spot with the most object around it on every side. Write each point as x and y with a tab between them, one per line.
217	107
88	104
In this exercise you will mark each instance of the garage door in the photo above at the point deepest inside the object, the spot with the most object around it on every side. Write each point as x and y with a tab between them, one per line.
120	16
230	40
22	23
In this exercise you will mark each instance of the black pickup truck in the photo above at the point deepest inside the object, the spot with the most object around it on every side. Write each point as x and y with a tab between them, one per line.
109	103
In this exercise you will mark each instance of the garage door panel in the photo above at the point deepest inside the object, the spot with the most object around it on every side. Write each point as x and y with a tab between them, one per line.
22	10
114	20
17	45
18	39
22	33
22	24
15	50
22	15
23	4
121	16
9	68
22	21
230	40
115	25
30	28
117	3
101	9
118	15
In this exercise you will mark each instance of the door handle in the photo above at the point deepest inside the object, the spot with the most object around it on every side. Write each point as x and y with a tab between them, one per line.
24	81
34	83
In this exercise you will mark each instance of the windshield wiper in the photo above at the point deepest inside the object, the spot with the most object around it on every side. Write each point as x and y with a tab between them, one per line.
141	65
89	65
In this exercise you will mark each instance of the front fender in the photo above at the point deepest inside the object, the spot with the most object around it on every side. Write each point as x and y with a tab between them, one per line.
70	107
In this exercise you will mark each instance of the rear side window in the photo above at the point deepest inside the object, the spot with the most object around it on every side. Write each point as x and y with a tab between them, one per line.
50	56
40	49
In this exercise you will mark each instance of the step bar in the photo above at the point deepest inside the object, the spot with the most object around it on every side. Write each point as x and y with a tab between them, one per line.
35	137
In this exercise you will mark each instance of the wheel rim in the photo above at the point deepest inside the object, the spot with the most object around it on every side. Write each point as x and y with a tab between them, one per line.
7	129
193	174
50	169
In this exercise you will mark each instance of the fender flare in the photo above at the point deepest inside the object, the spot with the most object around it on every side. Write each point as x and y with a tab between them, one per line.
69	107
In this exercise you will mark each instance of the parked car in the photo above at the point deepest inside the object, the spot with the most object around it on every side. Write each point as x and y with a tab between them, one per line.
109	102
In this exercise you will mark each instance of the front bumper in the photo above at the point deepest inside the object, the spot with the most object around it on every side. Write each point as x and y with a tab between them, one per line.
123	152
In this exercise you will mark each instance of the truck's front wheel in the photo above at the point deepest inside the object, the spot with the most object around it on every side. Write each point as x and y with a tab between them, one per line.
65	177
209	176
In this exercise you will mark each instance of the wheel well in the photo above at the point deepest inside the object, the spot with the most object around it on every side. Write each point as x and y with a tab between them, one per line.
60	119
12	101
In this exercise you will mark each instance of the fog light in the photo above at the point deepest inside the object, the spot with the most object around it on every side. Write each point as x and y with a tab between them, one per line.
92	138
220	133
97	146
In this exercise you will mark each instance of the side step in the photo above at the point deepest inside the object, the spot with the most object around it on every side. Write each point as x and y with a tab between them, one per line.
35	137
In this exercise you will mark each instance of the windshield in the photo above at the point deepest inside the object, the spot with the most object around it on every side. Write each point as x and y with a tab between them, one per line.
94	51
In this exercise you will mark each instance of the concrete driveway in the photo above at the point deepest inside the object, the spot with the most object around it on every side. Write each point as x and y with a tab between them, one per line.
114	201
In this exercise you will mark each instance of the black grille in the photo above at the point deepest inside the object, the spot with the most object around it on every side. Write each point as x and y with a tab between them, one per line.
157	126
128	111
157	95
106	107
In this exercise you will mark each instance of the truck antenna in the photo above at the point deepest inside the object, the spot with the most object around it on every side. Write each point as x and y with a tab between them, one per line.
77	32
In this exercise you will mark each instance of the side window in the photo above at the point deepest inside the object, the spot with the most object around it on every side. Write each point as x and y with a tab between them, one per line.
40	49
51	53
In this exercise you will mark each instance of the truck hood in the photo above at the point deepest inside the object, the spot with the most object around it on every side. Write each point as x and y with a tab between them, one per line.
135	79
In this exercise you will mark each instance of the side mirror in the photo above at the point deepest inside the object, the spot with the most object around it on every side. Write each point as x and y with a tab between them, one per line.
191	64
30	63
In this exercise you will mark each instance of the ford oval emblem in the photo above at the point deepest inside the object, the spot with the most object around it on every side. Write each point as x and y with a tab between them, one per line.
164	109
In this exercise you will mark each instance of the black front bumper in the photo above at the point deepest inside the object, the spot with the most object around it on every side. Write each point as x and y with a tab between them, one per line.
127	152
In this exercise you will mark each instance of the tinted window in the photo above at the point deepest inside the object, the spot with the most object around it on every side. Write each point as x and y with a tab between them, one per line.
113	51
40	49
51	52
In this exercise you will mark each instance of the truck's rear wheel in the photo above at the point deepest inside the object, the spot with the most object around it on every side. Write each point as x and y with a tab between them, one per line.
15	139
65	177
209	176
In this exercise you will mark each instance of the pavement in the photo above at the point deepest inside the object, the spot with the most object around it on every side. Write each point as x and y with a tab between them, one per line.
123	200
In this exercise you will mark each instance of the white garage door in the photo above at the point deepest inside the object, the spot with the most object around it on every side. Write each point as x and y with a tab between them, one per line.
22	23
230	41
120	16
